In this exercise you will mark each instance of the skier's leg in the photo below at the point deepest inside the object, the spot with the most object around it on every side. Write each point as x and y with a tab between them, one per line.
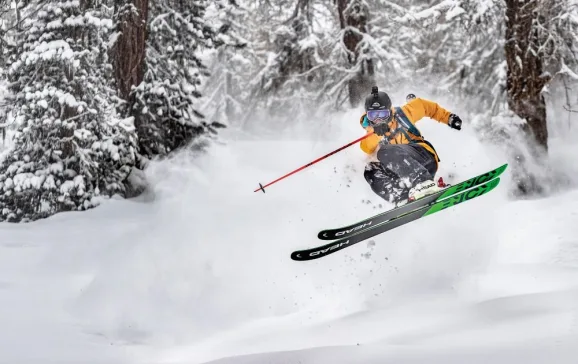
407	162
412	163
425	158
380	180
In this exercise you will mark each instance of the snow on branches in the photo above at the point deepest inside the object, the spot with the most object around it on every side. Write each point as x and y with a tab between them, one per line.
69	150
166	102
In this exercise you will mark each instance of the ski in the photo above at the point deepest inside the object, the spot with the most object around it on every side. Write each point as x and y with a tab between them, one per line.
344	232
361	235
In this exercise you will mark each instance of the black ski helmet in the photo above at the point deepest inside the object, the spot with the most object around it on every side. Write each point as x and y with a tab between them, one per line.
378	100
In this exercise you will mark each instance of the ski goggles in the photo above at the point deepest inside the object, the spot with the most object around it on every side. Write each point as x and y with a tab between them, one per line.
373	115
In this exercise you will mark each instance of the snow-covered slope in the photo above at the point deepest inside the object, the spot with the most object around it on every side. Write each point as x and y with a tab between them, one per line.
200	271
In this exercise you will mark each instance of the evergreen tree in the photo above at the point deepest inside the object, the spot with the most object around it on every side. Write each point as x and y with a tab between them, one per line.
499	58
231	63
288	79
70	150
167	100
354	17
324	56
458	46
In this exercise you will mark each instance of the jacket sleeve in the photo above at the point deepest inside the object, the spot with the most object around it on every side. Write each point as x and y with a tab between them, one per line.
369	144
419	108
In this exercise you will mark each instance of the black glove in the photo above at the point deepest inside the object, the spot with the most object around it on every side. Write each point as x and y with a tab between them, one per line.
455	122
381	128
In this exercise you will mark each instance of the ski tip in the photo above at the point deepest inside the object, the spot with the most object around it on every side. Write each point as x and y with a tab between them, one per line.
494	182
490	185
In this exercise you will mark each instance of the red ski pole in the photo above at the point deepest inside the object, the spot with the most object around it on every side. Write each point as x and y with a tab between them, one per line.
262	188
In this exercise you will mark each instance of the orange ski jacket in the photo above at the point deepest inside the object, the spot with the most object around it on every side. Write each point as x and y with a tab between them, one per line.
401	133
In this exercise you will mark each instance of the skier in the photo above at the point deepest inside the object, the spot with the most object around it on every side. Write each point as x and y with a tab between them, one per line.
406	163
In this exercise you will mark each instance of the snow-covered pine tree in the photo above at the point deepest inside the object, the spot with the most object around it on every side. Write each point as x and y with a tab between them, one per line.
347	45
288	81
354	18
4	11
457	46
231	63
4	25
391	41
367	46
11	13
167	100
303	69
69	149
291	58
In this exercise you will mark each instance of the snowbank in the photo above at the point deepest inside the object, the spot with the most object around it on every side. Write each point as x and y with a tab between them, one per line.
202	272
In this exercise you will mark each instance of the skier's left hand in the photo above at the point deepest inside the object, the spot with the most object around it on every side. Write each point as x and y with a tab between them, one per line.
455	122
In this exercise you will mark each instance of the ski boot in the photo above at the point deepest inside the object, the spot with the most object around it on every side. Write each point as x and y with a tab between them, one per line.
423	189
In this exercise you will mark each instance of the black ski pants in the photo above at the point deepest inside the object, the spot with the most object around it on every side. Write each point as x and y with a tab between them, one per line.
400	167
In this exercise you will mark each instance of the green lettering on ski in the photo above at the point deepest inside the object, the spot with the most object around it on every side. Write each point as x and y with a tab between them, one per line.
483	178
468	195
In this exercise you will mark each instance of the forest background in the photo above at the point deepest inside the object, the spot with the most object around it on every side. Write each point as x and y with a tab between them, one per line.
92	90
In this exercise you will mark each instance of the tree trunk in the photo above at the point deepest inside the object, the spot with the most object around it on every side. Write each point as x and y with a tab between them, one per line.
525	74
353	14
130	47
526	58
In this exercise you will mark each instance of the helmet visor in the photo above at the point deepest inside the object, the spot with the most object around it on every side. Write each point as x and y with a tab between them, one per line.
373	115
